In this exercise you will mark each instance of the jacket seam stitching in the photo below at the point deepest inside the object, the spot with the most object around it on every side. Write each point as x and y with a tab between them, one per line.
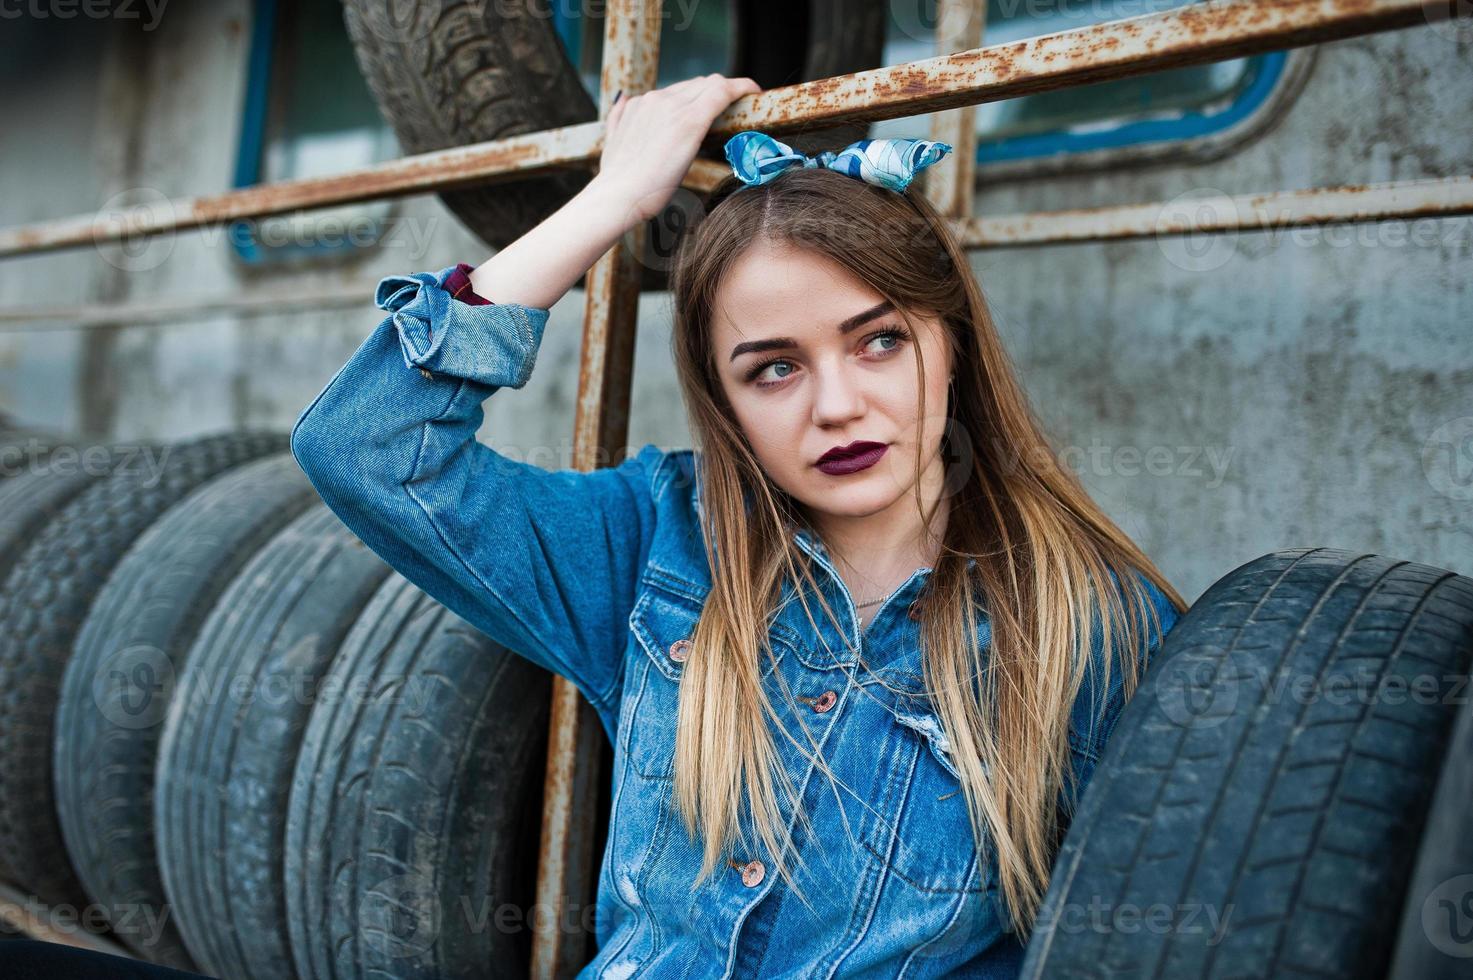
956	913
603	698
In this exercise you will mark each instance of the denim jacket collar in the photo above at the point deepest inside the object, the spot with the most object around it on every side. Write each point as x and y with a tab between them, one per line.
892	651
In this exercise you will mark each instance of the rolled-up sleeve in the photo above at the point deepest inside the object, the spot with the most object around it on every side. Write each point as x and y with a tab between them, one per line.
493	344
544	562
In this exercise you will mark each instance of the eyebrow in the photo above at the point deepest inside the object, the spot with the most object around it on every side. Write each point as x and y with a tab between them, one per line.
786	343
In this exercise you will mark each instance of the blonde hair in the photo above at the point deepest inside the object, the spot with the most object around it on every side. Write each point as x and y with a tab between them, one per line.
1044	552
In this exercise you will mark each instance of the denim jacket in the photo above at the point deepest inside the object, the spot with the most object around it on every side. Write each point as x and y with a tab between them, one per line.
600	577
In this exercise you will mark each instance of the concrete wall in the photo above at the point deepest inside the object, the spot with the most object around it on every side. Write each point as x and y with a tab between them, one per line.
1280	390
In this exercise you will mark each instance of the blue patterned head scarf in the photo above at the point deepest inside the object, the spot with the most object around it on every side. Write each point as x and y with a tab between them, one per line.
757	158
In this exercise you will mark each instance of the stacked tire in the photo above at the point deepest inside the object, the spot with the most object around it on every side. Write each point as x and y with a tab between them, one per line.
230	734
1300	745
125	670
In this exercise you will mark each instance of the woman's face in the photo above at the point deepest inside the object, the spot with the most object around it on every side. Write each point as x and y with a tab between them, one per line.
811	359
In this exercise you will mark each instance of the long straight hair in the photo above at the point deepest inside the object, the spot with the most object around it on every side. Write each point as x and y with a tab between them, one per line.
1023	545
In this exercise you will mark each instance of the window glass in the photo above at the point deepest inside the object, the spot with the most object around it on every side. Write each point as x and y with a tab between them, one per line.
308	113
695	39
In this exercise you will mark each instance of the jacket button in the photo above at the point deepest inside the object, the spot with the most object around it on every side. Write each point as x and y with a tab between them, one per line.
825	701
752	873
679	650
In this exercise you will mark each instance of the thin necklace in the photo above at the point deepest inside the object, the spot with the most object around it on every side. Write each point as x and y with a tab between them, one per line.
861	605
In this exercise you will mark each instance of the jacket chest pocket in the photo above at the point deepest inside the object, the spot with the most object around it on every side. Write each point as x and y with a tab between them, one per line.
663	623
929	842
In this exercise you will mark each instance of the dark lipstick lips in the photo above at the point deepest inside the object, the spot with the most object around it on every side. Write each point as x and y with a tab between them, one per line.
851	458
858	448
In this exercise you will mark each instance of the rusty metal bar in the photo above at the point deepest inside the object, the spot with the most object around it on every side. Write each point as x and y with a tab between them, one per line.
1214	30
1446	197
960	25
1215	213
1203	32
86	315
566	877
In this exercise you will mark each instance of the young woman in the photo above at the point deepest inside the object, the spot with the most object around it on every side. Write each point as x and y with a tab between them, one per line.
860	652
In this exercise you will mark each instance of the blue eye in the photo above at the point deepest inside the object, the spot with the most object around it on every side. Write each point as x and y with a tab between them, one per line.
898	334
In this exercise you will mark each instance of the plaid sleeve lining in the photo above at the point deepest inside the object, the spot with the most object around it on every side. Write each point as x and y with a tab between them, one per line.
459	286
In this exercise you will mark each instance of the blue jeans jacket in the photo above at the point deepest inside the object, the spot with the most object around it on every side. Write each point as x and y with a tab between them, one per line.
600	577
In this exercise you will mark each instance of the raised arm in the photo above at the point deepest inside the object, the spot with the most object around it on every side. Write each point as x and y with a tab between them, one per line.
544	562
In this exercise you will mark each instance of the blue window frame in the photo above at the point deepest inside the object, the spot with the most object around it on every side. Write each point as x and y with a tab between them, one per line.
1165	107
307	113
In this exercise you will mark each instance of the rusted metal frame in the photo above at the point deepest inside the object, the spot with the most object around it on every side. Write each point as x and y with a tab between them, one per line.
960	25
239	304
1214	30
566	875
1446	197
1401	201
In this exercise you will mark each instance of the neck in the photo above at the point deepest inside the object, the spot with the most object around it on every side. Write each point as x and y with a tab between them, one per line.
875	548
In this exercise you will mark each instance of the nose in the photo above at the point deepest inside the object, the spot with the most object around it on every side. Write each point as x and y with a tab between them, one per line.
837	396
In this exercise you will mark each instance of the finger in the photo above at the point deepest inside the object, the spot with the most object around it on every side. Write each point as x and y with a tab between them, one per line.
685	85
719	96
737	91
